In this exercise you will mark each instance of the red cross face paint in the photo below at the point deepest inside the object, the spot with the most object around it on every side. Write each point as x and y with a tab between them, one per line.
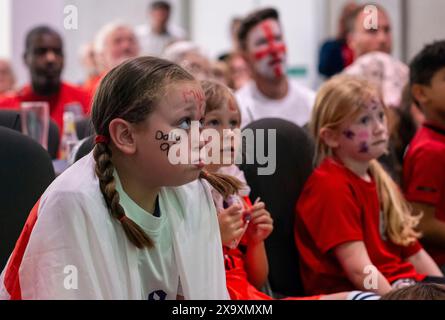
366	137
267	49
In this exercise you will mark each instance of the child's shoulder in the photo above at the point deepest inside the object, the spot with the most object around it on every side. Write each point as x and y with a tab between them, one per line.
330	175
79	180
427	142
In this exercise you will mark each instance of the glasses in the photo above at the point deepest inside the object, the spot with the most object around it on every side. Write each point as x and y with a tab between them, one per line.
35	121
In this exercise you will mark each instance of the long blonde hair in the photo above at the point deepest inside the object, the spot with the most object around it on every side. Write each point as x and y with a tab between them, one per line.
339	100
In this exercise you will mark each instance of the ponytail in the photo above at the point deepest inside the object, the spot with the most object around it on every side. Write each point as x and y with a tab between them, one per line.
224	184
104	171
397	214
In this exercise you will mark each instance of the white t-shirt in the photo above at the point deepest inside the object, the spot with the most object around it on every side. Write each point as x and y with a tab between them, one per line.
296	107
153	44
157	266
76	250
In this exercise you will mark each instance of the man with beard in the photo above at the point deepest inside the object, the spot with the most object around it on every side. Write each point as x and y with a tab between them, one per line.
45	60
270	93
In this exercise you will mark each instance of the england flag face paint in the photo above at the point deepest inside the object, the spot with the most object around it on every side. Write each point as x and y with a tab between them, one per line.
267	49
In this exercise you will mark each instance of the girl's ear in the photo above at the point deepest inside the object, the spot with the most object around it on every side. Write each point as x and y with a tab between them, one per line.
122	136
330	137
419	95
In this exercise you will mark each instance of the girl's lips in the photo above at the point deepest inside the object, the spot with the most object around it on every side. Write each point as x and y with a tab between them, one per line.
200	165
379	142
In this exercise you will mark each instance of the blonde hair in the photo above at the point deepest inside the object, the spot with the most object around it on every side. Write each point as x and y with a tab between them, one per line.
217	95
339	100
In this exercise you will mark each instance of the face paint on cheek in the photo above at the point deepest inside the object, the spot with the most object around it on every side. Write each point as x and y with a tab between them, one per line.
364	148
161	136
363	135
275	50
349	134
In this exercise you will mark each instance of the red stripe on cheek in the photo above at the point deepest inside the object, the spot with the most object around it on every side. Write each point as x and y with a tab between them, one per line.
12	280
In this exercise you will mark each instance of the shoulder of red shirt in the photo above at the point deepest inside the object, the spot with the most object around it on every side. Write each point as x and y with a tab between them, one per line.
332	175
428	140
75	93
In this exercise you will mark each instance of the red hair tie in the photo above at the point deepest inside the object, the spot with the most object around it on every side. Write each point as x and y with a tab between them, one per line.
121	219
101	139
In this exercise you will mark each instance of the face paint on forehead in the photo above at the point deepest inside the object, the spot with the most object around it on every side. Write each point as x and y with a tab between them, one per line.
197	96
372	104
193	95
274	47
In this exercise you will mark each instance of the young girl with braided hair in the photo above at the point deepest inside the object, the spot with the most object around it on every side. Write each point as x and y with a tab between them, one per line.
123	222
353	228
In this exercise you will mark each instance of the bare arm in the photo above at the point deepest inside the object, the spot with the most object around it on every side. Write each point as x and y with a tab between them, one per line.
354	259
424	264
261	225
433	230
257	265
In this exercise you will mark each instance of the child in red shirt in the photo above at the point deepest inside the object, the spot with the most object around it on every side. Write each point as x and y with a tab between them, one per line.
424	163
353	228
246	262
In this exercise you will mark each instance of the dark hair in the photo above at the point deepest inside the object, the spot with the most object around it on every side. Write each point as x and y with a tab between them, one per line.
406	127
427	62
420	291
37	31
131	91
160	5
253	19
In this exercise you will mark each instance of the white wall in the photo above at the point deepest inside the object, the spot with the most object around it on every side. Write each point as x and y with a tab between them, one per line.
425	24
5	28
24	15
92	14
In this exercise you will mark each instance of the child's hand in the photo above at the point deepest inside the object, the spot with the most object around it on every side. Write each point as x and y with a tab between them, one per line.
230	224
261	224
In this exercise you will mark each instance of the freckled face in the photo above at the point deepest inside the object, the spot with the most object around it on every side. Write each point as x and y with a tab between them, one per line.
365	137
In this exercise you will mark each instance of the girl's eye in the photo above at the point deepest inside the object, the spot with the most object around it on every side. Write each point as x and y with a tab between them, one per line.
213	123
381	115
185	124
364	120
234	124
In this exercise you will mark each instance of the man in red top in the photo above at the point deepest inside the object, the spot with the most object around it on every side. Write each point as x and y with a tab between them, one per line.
424	163
45	60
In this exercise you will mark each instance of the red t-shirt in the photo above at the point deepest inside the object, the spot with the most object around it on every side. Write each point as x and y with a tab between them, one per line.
67	97
335	207
237	280
424	175
93	83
